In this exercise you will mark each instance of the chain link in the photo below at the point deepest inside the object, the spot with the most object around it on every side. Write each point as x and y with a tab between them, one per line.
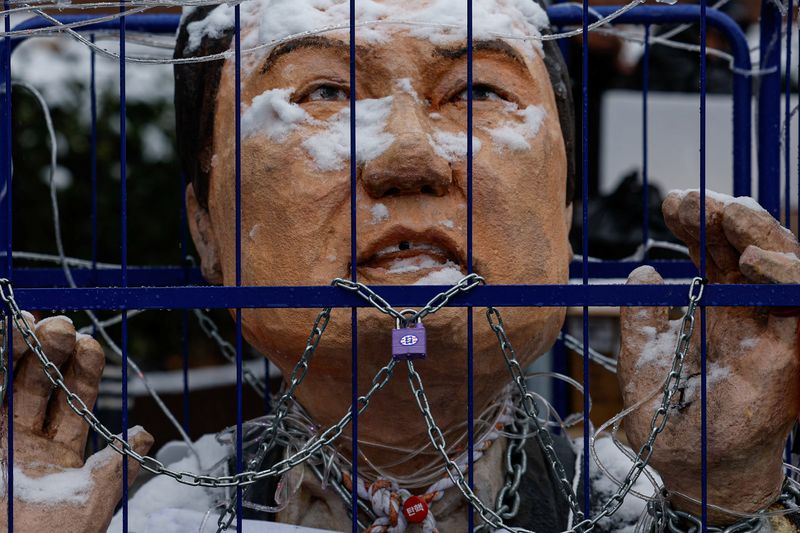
229	352
152	465
466	284
3	350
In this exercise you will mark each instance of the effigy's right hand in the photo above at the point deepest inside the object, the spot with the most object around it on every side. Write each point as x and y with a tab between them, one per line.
54	487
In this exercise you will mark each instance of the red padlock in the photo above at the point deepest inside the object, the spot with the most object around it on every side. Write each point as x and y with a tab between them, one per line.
415	509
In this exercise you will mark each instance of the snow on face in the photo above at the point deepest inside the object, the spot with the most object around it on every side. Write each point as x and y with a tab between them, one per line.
330	148
452	146
513	134
450	275
439	21
379	213
404	84
272	114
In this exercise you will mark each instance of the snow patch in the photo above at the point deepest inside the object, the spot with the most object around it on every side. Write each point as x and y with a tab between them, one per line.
162	492
716	374
724	199
660	347
415	264
253	233
404	84
213	26
748	344
44	321
618	465
514	134
452	146
330	148
281	19
69	486
450	275
447	223
272	114
379	213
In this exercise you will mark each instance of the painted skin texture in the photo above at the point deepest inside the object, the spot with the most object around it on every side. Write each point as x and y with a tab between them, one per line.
521	222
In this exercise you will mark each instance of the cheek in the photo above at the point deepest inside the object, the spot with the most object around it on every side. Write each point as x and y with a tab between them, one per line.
291	214
519	210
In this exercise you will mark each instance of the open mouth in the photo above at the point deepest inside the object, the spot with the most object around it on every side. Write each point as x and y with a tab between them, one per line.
404	257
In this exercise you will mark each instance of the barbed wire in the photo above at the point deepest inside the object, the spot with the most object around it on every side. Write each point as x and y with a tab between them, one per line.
142	6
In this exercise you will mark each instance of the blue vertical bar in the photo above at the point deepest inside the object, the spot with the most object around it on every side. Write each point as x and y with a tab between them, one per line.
93	155
6	171
645	177
93	170
353	266
787	153
769	194
238	163
123	162
470	347
585	237
184	247
703	373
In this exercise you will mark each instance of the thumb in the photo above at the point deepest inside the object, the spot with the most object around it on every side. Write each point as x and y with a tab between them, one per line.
640	325
106	471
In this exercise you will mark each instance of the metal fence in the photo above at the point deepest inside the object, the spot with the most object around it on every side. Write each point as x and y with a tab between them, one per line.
181	287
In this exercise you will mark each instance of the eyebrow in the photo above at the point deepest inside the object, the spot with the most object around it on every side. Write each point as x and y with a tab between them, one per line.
311	41
494	45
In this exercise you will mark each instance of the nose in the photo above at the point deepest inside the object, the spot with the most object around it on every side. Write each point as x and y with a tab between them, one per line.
410	165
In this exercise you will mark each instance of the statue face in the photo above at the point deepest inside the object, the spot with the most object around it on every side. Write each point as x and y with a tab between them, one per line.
411	203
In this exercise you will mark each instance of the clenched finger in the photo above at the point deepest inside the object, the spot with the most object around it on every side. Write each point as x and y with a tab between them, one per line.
32	389
766	266
82	376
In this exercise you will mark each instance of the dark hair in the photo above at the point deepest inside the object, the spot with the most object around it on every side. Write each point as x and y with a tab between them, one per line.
196	86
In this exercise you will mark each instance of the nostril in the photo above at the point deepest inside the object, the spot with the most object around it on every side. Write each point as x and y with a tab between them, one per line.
426	189
392	191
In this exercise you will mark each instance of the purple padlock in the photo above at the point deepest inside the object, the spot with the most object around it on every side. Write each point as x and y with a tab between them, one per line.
409	342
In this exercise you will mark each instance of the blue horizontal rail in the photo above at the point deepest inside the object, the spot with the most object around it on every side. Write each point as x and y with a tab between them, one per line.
401	296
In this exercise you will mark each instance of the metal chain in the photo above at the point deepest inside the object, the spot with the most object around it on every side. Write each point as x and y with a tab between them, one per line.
154	466
266	441
508	499
3	349
313	446
657	424
466	284
665	518
229	352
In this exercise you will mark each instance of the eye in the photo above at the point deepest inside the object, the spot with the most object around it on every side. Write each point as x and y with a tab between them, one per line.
327	93
482	93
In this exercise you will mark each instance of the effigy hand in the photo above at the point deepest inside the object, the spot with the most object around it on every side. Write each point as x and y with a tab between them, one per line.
753	372
54	489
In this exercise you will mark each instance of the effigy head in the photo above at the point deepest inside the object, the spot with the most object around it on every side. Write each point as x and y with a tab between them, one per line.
411	164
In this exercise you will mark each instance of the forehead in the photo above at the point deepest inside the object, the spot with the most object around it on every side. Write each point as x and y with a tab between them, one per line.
440	23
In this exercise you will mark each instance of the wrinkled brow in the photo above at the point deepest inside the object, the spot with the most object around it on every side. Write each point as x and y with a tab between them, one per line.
494	45
311	41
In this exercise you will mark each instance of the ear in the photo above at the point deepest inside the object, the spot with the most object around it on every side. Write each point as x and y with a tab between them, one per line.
568	223
205	241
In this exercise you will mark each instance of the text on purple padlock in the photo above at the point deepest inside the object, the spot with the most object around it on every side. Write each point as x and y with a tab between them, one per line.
409	342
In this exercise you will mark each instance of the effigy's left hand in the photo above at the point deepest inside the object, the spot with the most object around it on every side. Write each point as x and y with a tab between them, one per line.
753	367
